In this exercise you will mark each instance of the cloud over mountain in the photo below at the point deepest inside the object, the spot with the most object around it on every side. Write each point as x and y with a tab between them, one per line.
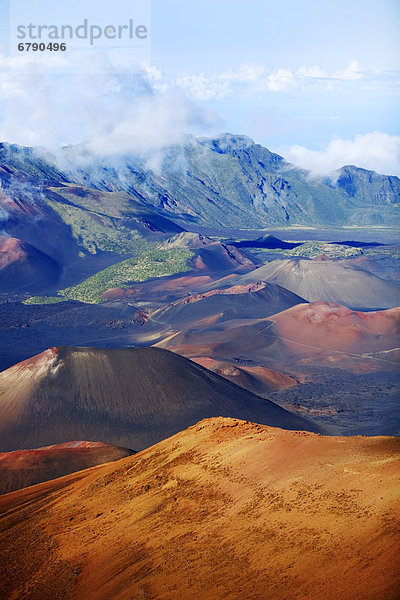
53	101
376	151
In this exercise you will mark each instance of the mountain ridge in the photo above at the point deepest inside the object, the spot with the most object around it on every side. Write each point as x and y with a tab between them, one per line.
224	181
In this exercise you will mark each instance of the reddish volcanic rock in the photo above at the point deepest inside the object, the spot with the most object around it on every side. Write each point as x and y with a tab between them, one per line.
317	334
25	268
34	366
23	468
116	293
235	304
199	263
181	283
160	290
258	380
323	257
236	289
330	326
11	250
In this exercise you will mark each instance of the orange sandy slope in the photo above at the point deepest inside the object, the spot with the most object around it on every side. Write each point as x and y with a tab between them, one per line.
226	509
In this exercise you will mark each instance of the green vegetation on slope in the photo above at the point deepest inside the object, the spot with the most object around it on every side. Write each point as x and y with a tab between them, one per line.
44	300
315	248
151	262
391	251
96	232
311	249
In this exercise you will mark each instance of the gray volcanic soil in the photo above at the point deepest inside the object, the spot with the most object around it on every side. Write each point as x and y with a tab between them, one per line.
330	281
132	398
354	404
26	330
249	302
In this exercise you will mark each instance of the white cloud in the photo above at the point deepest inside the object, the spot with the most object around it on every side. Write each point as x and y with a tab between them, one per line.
352	71
247	72
201	87
375	151
313	72
51	101
249	78
255	79
283	79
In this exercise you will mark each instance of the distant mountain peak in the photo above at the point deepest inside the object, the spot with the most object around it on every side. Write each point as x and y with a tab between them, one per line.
228	139
223	181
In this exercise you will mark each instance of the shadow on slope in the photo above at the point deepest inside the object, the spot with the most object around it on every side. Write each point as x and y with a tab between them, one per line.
131	398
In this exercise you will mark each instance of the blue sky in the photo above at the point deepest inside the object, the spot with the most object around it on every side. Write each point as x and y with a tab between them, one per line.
214	34
312	80
212	37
